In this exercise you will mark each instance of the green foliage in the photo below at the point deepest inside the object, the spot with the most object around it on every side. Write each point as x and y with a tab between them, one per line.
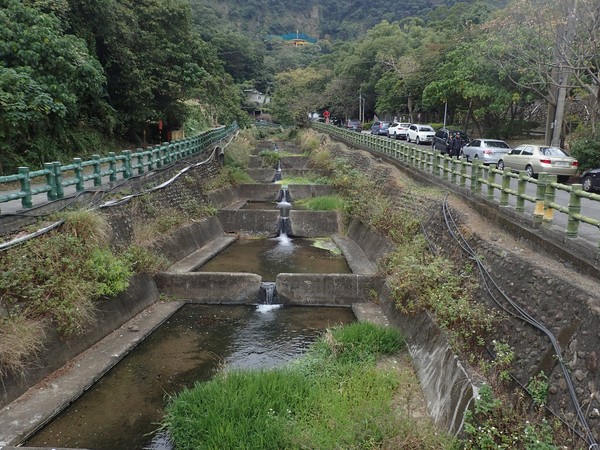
270	158
111	273
142	260
538	388
49	83
59	275
359	342
587	151
323	203
496	423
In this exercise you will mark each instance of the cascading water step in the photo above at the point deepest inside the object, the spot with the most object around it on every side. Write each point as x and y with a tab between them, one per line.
267	295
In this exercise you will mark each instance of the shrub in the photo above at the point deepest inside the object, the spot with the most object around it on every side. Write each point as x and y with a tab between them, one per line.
587	151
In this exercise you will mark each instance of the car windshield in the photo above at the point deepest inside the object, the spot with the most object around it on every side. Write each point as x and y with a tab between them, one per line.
497	144
552	151
425	129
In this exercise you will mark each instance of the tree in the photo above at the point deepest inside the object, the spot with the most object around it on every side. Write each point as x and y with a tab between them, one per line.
297	93
550	48
48	83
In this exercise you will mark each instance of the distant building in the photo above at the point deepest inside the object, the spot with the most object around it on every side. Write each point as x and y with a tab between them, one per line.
298	39
254	96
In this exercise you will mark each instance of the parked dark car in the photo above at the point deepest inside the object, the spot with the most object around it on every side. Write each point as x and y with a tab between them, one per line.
590	180
380	128
354	125
440	140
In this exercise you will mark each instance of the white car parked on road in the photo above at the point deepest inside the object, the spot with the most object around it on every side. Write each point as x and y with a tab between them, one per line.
420	134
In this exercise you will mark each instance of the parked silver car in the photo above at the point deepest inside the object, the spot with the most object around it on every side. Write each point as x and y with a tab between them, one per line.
534	159
488	150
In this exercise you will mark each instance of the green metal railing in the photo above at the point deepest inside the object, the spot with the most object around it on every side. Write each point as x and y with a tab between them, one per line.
54	177
482	180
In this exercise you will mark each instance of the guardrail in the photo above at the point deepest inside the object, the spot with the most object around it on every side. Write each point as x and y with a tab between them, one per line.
52	178
482	180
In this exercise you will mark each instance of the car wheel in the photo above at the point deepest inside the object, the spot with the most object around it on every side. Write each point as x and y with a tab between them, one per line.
500	165
396	136
586	184
529	171
418	141
407	138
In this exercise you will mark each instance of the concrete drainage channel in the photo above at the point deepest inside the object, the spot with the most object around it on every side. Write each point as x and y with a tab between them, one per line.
446	385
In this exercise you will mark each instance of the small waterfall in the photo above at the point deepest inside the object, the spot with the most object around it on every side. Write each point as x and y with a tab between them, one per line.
284	195
277	176
267	295
285	229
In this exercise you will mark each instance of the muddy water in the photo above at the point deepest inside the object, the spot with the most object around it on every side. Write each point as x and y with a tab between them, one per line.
121	410
269	257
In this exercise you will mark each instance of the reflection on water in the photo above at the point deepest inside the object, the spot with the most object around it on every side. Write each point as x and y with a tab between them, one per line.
121	410
270	257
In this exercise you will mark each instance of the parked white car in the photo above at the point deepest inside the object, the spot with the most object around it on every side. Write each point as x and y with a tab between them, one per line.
398	130
420	134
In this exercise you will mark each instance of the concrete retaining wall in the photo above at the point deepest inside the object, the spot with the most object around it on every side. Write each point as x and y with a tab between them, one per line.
186	240
250	221
373	243
295	162
314	223
262	175
210	287
447	386
324	289
258	192
300	191
111	313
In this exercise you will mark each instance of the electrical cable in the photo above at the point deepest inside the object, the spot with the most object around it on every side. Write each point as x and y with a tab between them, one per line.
521	314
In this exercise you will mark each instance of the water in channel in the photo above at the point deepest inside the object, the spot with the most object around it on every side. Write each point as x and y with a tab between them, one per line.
272	256
121	410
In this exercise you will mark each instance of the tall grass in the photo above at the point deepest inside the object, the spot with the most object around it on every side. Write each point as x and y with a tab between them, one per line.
333	397
323	203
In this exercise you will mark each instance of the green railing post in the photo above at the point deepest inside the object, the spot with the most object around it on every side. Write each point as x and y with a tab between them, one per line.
549	198
475	173
479	164
445	167
26	201
463	173
50	180
491	180
127	173
453	162
505	187
97	170
436	164
521	185
574	208
540	198
60	191
112	167
167	152
139	153
78	175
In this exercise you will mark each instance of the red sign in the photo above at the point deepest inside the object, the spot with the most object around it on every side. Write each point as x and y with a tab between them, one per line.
326	113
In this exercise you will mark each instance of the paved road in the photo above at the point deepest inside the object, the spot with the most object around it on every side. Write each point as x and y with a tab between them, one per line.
587	233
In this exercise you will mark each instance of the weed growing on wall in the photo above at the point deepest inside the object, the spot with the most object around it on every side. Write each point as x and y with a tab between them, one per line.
270	158
55	280
322	203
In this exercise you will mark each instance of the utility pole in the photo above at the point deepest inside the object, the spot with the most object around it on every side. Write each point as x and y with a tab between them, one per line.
564	40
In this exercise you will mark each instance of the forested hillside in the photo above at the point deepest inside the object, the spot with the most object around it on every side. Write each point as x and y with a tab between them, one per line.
337	19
